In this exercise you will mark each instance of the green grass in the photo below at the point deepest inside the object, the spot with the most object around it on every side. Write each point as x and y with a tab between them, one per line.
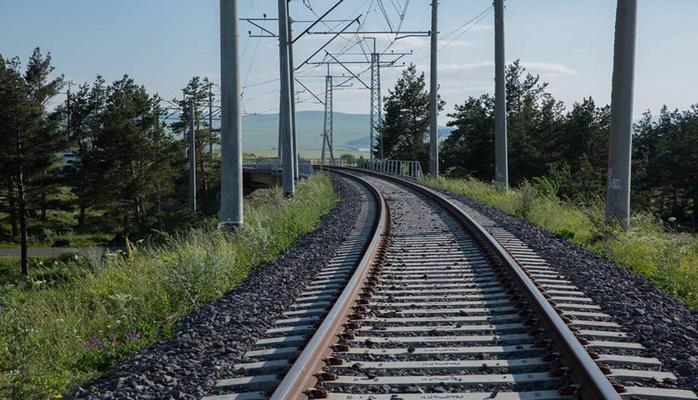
60	225
87	314
669	260
9	268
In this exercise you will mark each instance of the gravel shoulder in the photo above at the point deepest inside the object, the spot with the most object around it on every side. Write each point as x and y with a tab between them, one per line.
209	342
665	326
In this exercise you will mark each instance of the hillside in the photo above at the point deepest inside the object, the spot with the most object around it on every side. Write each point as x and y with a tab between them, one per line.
260	131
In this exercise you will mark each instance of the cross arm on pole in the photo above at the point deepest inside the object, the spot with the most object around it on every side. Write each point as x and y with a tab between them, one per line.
317	21
252	21
347	69
407	33
309	91
336	35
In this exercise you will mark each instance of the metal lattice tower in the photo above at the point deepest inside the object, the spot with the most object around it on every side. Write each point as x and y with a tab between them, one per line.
375	101
327	134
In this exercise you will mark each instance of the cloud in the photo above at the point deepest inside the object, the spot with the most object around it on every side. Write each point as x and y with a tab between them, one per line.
548	68
454	67
422	42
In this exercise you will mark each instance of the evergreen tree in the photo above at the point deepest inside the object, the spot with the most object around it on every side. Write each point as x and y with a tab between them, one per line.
82	113
133	155
198	92
404	129
533	115
665	165
29	138
580	145
469	150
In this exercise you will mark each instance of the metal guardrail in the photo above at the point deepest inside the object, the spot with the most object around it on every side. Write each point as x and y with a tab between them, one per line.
409	169
273	166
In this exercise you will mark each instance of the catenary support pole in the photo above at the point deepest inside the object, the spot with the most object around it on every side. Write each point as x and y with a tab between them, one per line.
192	158
231	213
501	162
156	133
433	92
372	117
210	121
285	102
296	172
620	141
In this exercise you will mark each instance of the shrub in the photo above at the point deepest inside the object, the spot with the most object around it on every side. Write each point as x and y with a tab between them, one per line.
61	242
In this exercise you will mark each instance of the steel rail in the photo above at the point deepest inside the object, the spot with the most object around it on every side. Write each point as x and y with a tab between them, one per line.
582	368
302	375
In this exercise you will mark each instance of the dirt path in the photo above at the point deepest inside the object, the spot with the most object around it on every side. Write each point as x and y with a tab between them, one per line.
56	251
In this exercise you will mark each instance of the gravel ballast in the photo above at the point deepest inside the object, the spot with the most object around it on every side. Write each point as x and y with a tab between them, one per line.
665	326
209	342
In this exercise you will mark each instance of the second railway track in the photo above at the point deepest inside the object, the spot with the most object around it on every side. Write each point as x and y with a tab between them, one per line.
422	302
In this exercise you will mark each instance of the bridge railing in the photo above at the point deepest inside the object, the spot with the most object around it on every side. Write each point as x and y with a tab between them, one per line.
273	166
410	169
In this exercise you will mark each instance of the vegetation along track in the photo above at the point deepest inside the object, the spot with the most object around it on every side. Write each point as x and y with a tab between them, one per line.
422	302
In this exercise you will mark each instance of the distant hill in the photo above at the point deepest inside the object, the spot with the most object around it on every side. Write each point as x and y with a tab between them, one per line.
260	131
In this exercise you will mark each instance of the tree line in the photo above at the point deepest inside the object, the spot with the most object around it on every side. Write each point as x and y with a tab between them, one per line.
104	154
568	145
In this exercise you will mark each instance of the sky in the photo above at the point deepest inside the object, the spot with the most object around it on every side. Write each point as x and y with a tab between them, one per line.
163	43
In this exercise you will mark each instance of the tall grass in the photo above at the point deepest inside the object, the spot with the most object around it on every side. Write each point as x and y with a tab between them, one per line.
57	334
670	260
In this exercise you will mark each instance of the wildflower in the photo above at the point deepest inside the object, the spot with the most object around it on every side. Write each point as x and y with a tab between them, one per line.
94	344
133	336
57	396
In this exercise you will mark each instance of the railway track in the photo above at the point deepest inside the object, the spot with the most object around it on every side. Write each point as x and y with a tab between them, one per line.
426	301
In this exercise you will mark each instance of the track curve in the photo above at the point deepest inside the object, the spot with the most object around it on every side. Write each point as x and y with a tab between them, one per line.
436	307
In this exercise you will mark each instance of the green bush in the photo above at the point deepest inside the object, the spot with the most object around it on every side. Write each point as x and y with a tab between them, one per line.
668	259
53	337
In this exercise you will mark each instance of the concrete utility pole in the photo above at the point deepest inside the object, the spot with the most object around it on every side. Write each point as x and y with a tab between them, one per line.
285	102
231	213
433	92
296	171
210	121
156	131
500	98
620	141
192	158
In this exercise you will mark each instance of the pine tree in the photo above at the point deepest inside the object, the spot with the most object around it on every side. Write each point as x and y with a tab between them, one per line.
198	92
29	138
533	115
404	129
81	113
133	155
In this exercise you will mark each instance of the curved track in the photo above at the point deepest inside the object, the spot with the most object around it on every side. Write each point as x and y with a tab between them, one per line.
424	303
